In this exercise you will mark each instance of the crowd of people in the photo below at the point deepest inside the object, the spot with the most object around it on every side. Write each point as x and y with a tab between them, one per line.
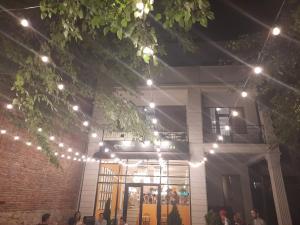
223	215
237	218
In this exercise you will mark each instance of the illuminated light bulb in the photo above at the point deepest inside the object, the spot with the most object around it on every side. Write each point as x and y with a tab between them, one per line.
112	155
93	160
244	94
76	153
145	109
85	123
9	106
159	155
234	113
106	150
24	23
149	82
52	138
140	6
39	148
61	87
101	143
79	160
152	105
74	158
56	153
68	157
39	129
98	161
155	133
276	31
154	120
165	144
148	51
126	143
215	145
257	70
75	107
227	127
220	138
44	58
16	138
94	135
28	143
61	145
3	131
83	156
204	159
218	109
211	151
158	149
70	150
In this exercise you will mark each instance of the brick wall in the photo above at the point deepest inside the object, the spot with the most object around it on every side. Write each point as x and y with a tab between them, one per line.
31	186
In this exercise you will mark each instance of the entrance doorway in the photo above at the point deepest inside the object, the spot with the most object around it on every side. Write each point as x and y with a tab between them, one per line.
142	204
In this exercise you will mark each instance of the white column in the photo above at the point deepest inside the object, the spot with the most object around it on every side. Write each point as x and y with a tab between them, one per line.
246	192
278	188
91	172
197	175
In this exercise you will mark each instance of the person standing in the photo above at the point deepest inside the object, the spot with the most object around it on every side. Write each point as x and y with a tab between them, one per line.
223	217
76	219
256	219
101	220
122	221
237	218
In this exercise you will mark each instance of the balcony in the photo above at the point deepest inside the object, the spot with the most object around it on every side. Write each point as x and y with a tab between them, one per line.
248	134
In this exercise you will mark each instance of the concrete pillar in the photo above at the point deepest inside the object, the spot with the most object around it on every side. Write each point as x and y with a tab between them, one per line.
246	192
278	188
91	172
197	175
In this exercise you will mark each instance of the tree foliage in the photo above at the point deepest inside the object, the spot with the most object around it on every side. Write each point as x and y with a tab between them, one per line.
279	89
94	47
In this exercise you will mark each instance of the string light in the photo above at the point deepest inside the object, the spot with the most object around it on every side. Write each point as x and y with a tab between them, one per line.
24	23
52	138
215	145
276	31
258	70
56	153
2	131
61	87
106	150
16	138
85	123
112	155
227	128
76	153
63	156
61	145
154	120
149	82
39	129
218	109
158	149
234	113
220	138
155	133
68	157
74	158
148	51
94	135
139	6
44	58
70	149
211	151
244	94
28	143
152	105
75	107
9	106
101	143
39	148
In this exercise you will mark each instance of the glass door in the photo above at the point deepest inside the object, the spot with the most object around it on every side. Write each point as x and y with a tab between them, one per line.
141	204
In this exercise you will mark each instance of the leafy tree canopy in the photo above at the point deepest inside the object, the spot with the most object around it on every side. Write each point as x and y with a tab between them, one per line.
93	47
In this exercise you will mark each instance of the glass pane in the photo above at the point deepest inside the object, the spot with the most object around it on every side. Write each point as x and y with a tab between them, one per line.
133	209
149	216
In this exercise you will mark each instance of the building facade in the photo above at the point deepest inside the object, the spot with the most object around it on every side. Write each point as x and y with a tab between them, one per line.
201	115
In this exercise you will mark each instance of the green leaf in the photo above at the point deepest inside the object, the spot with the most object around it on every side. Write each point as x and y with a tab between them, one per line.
120	33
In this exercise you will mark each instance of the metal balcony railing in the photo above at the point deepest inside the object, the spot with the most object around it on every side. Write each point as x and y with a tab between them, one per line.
248	134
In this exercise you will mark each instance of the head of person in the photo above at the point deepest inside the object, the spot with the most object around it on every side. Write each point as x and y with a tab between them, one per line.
223	213
46	218
77	216
237	217
254	213
122	221
101	216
